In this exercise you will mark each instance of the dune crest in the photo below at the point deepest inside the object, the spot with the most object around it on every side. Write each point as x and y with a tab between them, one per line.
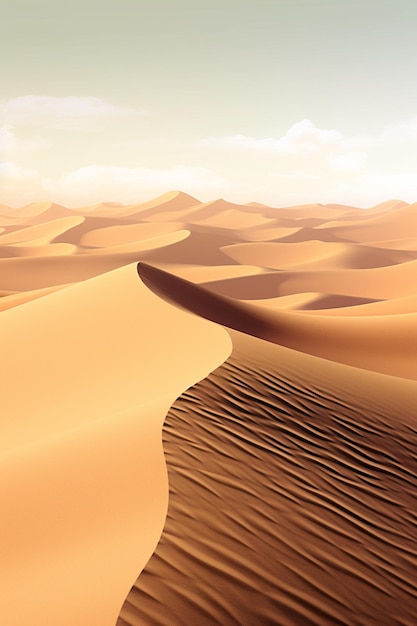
291	498
361	341
83	475
291	461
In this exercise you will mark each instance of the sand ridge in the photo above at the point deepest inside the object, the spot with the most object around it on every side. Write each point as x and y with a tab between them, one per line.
292	469
319	526
81	438
359	341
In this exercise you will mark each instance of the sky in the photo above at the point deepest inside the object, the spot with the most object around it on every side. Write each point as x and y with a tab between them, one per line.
276	101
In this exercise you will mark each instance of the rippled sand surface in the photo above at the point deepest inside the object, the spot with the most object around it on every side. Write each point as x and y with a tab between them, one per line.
292	498
257	364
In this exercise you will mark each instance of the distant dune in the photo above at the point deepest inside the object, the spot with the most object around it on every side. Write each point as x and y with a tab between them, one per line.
268	356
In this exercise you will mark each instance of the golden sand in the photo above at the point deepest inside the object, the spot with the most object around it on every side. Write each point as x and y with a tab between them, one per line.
275	349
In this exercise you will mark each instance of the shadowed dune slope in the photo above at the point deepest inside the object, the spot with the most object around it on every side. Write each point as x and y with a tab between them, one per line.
376	343
395	306
205	274
268	233
393	281
292	498
292	467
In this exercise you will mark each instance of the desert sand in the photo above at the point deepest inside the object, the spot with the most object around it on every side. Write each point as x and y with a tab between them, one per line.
209	414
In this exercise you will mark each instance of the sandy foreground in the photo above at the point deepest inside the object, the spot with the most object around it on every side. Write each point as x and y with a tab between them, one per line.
216	401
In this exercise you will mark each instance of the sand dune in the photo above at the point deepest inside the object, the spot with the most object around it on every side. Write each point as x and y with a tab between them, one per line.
8	300
46	270
83	478
388	225
38	213
143	245
171	201
330	304
119	235
405	243
359	341
290	498
200	248
28	273
167	203
205	274
388	205
316	255
395	306
292	469
272	232
375	283
91	224
43	233
226	215
34	249
316	213
102	209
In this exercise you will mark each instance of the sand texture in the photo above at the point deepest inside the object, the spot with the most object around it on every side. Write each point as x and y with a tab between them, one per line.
217	401
291	498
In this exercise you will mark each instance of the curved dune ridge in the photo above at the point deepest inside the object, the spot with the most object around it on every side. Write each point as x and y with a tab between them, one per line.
292	466
124	234
316	255
361	341
41	234
391	224
83	487
146	244
379	283
292	498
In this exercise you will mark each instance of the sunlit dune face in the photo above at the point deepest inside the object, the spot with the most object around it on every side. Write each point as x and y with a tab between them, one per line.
109	313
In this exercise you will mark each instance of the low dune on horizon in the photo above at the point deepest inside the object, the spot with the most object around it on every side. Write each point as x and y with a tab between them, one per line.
210	414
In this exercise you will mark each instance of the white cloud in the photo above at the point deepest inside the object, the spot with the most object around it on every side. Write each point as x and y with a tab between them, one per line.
305	140
303	137
11	144
385	186
64	113
19	186
93	184
12	171
350	161
314	164
126	184
398	134
306	164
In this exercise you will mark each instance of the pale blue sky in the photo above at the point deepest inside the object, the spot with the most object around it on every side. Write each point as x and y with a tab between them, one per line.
233	98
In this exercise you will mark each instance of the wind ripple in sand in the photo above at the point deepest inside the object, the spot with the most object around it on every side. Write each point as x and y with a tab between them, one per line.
291	503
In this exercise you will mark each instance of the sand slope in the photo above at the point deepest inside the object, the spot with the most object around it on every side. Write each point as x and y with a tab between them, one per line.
83	476
292	466
364	342
316	255
292	498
